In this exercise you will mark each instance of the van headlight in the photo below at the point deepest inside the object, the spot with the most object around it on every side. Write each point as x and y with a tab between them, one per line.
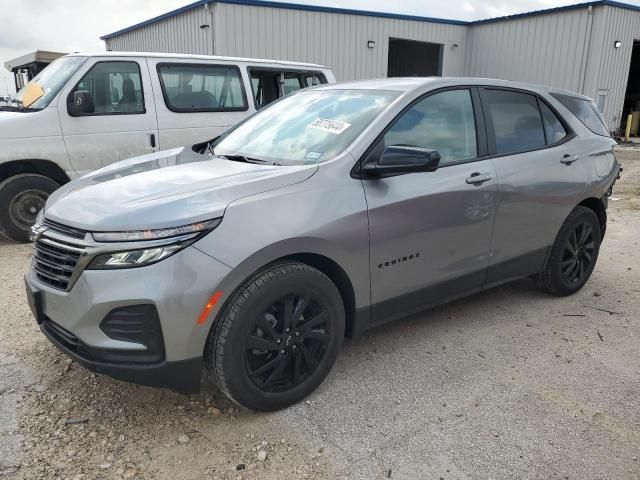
146	255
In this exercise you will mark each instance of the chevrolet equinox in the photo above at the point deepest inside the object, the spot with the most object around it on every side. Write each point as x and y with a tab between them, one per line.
334	210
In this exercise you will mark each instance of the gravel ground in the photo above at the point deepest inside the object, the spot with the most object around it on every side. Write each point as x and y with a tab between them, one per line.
510	383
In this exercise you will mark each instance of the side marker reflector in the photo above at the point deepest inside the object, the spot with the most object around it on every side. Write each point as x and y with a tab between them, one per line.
208	307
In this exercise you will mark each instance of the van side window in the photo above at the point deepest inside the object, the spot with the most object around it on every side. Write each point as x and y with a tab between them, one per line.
553	127
202	88
115	88
443	122
516	120
268	85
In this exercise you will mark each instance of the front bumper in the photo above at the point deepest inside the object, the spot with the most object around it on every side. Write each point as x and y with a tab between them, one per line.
181	376
177	288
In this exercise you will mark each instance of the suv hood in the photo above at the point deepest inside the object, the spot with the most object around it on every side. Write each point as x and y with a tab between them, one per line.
164	189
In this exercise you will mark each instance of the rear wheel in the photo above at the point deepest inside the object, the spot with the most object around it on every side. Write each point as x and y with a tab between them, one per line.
21	198
277	338
573	255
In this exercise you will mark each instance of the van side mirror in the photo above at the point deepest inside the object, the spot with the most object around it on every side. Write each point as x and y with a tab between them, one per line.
398	159
82	103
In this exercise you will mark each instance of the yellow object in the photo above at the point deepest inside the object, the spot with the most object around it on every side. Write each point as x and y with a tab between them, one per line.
627	131
32	92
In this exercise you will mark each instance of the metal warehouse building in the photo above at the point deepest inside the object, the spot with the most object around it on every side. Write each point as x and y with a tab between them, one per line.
592	48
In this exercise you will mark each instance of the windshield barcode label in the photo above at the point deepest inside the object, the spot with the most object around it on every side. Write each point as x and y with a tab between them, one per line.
332	126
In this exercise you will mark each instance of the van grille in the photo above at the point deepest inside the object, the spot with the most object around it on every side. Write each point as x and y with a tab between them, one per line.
55	262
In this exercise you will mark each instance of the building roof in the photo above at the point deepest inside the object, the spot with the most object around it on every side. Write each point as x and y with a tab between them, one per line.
346	11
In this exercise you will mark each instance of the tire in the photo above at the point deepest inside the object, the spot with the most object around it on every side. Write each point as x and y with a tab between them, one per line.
244	352
21	198
565	272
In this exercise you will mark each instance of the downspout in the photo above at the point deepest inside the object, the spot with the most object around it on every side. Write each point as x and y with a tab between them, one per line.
587	50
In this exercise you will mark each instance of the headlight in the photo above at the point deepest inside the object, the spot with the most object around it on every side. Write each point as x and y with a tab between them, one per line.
134	258
160	244
138	235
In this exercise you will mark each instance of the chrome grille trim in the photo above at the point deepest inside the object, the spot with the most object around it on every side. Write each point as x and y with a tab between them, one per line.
55	262
64	229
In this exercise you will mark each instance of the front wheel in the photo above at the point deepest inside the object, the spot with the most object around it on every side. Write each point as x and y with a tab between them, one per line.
21	198
573	255
277	338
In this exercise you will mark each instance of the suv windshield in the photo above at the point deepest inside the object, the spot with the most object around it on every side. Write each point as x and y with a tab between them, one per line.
39	92
307	127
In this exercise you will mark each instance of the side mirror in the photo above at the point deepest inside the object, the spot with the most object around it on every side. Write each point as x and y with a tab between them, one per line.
397	159
82	103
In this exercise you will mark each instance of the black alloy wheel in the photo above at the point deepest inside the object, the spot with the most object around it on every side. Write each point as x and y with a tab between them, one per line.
276	337
573	255
578	253
288	342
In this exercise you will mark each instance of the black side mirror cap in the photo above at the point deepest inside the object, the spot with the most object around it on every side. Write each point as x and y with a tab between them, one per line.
82	103
399	159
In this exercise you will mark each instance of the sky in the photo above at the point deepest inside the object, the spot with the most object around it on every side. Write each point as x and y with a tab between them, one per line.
71	26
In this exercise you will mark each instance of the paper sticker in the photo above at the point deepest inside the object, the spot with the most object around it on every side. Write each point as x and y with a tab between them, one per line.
313	155
332	126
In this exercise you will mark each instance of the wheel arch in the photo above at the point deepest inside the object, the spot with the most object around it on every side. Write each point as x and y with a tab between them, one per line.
42	167
339	278
598	207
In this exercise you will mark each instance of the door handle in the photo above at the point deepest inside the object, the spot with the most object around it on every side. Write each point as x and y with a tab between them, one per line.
479	178
152	140
569	159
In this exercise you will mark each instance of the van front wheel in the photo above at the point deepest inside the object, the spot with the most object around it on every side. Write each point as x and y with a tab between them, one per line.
21	198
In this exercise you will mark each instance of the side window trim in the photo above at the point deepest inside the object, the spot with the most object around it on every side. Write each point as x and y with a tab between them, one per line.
243	108
69	99
491	137
481	135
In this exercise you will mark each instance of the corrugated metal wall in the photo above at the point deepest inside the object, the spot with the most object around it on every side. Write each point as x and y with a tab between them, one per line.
609	66
571	49
336	40
179	34
544	49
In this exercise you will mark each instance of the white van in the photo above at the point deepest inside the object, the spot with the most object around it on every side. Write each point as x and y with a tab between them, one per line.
85	111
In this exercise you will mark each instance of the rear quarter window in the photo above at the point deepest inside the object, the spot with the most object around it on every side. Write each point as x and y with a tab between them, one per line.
585	111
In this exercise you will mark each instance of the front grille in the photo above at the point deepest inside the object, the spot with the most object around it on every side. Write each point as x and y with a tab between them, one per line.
64	229
54	262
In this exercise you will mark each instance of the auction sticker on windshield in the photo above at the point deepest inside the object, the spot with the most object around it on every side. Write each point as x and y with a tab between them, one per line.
332	126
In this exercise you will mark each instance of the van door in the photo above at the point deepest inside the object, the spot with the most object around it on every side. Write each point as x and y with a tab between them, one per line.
196	101
121	121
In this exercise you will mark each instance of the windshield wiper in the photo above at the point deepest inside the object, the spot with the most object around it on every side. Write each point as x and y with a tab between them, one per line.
242	158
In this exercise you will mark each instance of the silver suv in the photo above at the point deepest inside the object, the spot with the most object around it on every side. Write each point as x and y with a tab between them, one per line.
334	210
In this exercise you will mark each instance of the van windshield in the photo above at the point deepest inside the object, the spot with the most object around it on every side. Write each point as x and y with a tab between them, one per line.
307	127
38	93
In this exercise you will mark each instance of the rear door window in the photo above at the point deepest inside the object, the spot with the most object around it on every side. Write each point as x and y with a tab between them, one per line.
515	117
202	88
586	111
